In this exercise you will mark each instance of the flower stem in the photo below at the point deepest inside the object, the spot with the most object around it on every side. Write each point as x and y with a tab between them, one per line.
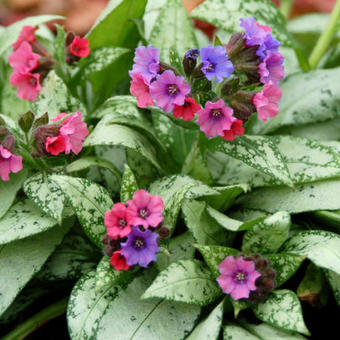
37	320
286	7
326	37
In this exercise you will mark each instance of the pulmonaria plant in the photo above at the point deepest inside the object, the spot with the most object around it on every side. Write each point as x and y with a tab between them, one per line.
235	74
133	231
31	61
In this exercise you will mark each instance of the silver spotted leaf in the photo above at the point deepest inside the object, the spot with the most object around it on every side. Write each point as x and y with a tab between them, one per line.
128	186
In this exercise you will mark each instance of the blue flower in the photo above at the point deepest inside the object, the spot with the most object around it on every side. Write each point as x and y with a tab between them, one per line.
215	63
140	248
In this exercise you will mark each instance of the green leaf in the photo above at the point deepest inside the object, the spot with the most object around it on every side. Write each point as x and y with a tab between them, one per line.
259	152
173	190
55	98
285	265
9	189
214	255
320	247
73	258
11	33
186	281
308	97
282	309
46	194
118	311
268	235
89	201
173	30
308	197
129	185
209	329
22	220
226	15
204	228
334	281
234	332
20	260
177	248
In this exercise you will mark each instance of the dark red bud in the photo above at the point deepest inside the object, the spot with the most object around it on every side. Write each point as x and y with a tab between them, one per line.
9	143
164	232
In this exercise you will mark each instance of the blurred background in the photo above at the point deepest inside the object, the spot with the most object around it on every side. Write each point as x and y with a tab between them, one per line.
81	14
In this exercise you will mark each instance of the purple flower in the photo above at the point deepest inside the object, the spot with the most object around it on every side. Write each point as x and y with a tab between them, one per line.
256	34
215	63
169	90
215	118
146	62
192	54
140	248
271	69
237	277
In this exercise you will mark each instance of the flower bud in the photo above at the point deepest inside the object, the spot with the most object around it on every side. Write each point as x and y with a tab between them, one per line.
164	232
25	121
241	102
41	133
3	131
9	143
235	45
190	61
42	120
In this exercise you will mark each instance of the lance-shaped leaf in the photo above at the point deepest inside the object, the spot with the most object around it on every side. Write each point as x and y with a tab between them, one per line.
185	281
320	247
120	311
283	310
129	185
20	260
259	152
268	235
226	14
89	201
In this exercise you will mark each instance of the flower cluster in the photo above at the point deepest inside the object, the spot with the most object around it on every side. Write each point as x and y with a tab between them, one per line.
218	84
31	61
246	277
132	237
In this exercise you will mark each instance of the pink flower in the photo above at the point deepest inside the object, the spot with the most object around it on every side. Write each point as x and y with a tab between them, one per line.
235	130
145	210
215	118
28	84
237	277
55	145
187	110
271	69
26	34
23	59
139	87
117	221
118	261
169	90
266	101
73	130
80	47
8	163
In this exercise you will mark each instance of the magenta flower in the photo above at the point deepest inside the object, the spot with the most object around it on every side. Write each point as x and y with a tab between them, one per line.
145	210
117	222
215	63
73	130
215	118
27	34
28	84
140	248
271	69
146	62
169	90
266	101
23	59
55	145
80	47
8	163
139	87
237	277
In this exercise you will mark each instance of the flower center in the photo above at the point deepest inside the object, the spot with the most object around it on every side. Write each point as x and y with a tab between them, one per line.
216	113
240	277
33	81
143	213
173	89
138	242
209	67
122	223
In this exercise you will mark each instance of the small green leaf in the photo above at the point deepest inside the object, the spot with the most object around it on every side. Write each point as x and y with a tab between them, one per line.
283	310
185	281
129	185
89	201
268	235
